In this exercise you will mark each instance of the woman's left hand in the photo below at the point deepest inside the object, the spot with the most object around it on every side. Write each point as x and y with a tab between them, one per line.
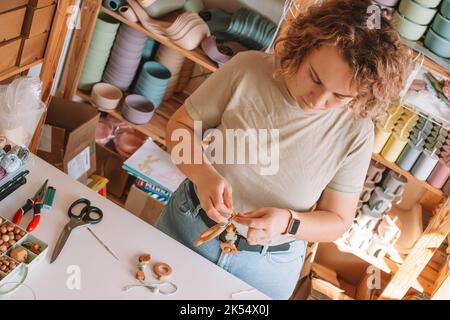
264	224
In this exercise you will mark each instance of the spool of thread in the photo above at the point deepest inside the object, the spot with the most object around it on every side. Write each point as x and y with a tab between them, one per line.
410	155
112	5
381	137
393	148
49	198
11	163
439	175
424	165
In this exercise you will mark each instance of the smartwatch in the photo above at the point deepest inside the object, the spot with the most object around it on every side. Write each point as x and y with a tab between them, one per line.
293	225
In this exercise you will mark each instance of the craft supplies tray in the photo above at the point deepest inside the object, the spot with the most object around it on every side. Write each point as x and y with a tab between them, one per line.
20	252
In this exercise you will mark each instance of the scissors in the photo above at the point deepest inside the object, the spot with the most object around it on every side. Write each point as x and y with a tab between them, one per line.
79	216
34	203
214	231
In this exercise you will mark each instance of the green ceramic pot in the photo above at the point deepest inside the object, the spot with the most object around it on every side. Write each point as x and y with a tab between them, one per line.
408	29
428	3
437	44
441	26
445	8
416	13
107	23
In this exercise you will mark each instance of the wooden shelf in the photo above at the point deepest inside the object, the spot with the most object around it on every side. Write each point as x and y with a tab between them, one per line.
386	265
11	72
156	128
197	55
432	61
409	176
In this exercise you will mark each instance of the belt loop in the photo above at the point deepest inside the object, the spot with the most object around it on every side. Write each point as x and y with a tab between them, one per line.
264	250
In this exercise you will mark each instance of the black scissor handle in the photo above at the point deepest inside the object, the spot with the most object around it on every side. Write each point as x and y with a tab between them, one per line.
92	219
78	215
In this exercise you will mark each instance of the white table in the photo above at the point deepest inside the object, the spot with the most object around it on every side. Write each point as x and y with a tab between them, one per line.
102	276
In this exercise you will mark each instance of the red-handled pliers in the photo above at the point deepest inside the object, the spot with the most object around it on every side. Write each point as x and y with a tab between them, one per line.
34	203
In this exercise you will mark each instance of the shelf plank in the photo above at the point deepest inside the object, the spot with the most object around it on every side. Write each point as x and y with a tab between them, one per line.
197	55
386	265
11	72
431	61
409	176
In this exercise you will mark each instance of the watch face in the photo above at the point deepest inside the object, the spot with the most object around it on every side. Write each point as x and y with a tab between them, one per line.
294	227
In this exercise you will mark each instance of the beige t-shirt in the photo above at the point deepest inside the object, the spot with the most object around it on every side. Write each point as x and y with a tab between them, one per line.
317	150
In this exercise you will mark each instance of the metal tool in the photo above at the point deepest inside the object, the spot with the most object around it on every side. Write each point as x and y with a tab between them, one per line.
214	231
13	184
34	203
79	216
101	242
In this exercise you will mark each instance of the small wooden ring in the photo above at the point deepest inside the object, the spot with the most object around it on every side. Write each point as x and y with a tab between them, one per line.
162	270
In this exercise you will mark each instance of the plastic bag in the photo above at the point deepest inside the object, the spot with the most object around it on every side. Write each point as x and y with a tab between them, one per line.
21	109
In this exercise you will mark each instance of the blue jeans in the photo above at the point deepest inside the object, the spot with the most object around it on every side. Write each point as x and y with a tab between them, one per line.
273	273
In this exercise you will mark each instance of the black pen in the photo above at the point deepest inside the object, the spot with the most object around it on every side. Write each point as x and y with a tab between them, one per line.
13	180
13	188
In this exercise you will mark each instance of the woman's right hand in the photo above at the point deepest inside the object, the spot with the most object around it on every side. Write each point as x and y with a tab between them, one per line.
215	195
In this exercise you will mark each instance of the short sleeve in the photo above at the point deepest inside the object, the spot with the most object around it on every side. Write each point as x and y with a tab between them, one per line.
209	101
351	174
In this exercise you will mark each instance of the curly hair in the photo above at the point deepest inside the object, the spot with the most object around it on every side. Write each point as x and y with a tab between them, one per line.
380	62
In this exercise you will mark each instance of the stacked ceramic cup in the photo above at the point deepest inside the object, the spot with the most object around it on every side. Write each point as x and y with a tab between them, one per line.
399	138
137	109
428	159
438	36
414	16
441	171
375	201
172	60
153	81
244	26
385	127
125	57
99	50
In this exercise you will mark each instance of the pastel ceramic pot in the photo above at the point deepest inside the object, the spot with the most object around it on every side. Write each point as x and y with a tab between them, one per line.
156	72
441	26
428	3
388	3
194	5
218	20
162	7
106	97
408	29
439	175
107	23
445	8
415	12
103	131
137	109
437	44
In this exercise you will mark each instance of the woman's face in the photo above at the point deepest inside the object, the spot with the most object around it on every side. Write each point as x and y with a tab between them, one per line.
323	81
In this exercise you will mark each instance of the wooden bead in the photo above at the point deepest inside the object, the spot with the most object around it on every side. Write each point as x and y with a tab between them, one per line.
19	254
3	229
11	242
140	275
162	270
145	258
6	263
11	234
17	237
5	237
3	267
22	233
10	228
16	230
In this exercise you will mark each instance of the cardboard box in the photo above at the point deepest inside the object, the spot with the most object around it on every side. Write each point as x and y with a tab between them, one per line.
38	20
68	137
33	49
143	206
6	5
41	3
109	165
9	51
11	24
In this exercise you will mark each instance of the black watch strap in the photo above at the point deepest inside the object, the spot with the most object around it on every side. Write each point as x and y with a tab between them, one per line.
293	225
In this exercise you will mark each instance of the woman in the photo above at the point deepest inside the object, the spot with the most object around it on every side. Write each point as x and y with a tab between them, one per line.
333	75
